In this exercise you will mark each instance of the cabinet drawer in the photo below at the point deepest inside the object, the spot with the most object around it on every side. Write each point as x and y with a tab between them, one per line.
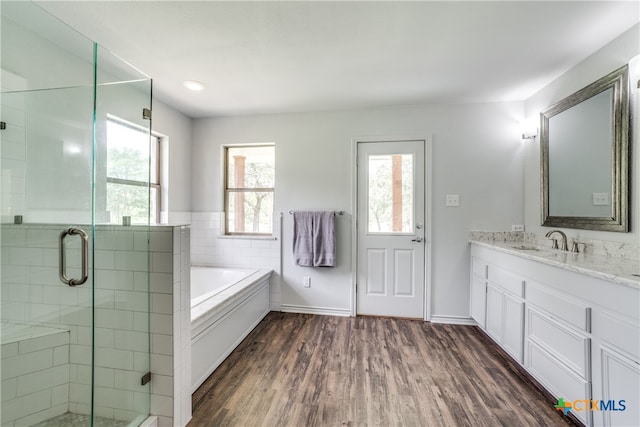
622	333
506	280
559	306
569	346
479	267
557	378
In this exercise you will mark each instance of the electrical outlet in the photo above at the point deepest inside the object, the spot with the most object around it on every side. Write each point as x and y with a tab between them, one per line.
518	227
600	199
306	282
452	200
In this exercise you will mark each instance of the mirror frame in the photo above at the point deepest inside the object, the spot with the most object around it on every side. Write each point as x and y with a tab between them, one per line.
619	219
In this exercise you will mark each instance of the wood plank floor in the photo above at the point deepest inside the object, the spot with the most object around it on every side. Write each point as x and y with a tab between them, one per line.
306	370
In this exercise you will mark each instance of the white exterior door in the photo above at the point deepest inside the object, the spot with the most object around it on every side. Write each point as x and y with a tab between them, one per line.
391	204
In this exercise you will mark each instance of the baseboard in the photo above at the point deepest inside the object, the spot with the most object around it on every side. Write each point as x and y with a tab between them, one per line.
305	309
453	320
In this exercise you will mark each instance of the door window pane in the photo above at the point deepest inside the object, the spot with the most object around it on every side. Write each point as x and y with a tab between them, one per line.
390	191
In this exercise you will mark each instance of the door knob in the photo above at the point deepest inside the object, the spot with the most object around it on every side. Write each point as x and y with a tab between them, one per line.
417	239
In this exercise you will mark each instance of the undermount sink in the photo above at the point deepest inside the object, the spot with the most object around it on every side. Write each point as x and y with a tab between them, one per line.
525	248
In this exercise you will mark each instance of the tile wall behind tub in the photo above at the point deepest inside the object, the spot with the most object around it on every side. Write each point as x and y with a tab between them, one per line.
208	248
33	293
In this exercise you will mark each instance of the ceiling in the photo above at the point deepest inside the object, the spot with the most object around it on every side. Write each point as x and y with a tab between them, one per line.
271	57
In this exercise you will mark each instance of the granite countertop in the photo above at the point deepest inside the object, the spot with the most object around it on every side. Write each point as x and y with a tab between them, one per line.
614	269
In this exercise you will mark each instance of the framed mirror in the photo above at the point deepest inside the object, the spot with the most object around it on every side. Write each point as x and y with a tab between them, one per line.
584	142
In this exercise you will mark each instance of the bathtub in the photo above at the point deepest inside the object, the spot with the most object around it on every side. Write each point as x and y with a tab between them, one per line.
226	304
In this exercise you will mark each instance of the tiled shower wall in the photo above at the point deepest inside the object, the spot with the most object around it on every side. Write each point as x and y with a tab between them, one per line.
136	271
209	247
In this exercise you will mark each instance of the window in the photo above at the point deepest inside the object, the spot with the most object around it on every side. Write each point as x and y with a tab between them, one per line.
390	201
249	183
133	173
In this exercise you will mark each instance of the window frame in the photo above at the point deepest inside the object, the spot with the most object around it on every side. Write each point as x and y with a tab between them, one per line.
227	190
158	175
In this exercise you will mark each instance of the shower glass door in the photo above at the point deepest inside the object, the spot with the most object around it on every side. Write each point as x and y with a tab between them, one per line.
74	304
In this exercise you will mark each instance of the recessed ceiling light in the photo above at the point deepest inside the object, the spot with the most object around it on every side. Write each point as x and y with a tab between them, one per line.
193	85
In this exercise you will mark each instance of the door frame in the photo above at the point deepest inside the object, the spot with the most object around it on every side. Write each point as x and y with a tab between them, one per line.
427	140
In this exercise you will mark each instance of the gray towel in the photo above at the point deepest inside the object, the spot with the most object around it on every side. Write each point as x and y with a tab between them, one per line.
303	238
314	239
324	239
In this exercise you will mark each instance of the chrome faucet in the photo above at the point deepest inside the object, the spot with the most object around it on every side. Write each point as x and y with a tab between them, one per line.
564	247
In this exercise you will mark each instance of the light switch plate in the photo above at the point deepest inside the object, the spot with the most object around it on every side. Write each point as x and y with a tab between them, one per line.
452	200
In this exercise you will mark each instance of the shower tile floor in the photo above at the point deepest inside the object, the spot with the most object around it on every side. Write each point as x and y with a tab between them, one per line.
80	420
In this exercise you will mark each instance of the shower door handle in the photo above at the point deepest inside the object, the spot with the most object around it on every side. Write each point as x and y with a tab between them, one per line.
84	253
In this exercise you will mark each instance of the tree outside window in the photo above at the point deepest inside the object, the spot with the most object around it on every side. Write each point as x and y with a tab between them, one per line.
249	189
133	175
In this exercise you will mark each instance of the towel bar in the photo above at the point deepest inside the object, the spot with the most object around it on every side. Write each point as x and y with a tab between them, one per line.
334	212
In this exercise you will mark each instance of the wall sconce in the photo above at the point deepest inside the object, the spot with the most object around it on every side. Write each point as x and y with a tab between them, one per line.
529	128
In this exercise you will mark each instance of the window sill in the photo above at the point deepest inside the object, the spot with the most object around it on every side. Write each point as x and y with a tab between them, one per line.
248	237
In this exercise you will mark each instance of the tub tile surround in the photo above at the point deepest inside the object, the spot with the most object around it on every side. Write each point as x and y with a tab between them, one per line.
209	247
613	261
130	282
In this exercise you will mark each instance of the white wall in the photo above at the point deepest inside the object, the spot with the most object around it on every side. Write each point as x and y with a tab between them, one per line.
614	55
477	153
176	157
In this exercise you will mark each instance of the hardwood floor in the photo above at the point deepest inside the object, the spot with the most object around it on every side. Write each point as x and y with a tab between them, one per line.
306	370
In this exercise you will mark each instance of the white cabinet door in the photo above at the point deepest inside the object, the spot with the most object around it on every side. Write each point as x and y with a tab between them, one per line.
494	312
621	390
478	300
513	326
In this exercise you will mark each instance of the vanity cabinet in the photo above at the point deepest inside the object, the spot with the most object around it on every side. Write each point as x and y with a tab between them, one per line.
505	310
478	305
578	335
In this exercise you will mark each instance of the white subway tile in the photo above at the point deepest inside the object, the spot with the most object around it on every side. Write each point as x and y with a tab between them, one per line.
141	362
114	398
161	262
134	341
104	337
22	364
162	344
105	260
161	283
161	324
161	364
60	395
141	281
46	378
162	385
114	240
80	393
114	279
112	358
104	298
114	319
82	374
81	316
140	321
128	380
161	405
132	301
161	241
80	354
132	261
43	342
162	303
9	389
26	405
105	377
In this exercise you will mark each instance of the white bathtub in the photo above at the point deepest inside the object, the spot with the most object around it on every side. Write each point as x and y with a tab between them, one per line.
208	281
226	304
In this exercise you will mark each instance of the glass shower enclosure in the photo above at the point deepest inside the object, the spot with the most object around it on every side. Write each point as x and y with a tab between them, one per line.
74	280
